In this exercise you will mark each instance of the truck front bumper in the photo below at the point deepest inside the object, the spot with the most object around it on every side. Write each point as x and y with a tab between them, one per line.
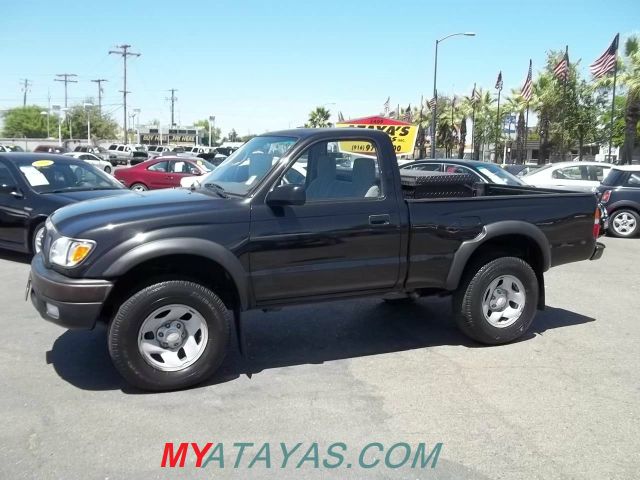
68	302
599	250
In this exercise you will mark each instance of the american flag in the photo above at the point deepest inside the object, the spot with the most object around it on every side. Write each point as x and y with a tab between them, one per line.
527	88
475	94
432	103
408	116
561	71
607	61
387	105
499	81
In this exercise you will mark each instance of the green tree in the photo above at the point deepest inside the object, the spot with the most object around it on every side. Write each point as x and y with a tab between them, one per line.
319	118
233	136
203	127
26	122
102	125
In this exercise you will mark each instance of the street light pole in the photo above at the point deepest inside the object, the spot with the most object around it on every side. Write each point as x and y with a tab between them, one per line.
44	112
88	112
212	119
435	89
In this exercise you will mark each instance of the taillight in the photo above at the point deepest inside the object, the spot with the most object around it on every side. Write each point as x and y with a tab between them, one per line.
606	195
596	224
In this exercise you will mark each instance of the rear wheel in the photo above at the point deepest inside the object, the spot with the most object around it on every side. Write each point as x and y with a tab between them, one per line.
496	303
139	187
107	169
169	335
624	223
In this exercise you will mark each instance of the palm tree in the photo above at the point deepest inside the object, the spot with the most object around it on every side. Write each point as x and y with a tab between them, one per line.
630	78
516	104
319	118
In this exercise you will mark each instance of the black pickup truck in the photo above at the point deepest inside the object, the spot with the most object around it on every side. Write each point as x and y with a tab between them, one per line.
293	217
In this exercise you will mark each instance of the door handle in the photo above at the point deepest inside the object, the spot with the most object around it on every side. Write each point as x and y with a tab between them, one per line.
383	219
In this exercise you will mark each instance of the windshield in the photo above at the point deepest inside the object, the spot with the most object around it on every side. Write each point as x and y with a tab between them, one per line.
206	166
249	164
49	176
498	175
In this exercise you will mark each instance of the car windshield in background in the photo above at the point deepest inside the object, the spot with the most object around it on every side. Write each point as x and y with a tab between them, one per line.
54	176
206	166
498	175
249	164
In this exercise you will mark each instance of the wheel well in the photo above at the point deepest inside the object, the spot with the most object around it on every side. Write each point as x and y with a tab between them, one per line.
520	246
624	207
193	268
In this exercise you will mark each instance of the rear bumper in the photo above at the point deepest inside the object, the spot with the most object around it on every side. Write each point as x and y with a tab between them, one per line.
68	302
599	250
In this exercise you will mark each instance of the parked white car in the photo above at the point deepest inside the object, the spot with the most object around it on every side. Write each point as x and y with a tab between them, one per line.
580	176
92	159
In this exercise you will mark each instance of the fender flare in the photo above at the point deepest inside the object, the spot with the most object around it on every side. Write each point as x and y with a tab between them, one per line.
494	230
185	246
623	204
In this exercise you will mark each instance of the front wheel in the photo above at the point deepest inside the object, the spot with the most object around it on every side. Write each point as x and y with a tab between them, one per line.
107	169
496	303
169	335
624	223
139	187
36	239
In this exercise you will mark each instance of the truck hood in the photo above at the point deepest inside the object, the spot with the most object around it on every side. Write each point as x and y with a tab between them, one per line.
81	195
141	212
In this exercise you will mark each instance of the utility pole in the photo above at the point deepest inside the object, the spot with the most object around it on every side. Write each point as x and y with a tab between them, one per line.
173	103
26	83
99	82
124	53
66	78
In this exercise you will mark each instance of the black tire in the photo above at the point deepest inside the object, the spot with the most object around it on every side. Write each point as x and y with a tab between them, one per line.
616	232
467	301
139	187
107	169
34	236
124	331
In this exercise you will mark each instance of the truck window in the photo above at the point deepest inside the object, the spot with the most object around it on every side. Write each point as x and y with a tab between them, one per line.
330	170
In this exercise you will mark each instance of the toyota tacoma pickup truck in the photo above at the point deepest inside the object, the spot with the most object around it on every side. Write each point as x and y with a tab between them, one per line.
294	217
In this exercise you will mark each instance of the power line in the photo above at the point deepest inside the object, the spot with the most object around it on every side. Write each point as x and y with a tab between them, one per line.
99	82
124	52
173	104
66	78
26	84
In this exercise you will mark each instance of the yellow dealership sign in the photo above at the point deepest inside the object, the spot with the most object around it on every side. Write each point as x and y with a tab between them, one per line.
403	134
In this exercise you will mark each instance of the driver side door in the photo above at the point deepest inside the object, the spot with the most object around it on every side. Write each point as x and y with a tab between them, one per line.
13	212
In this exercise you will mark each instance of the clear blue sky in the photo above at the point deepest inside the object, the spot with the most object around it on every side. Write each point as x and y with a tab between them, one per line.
263	65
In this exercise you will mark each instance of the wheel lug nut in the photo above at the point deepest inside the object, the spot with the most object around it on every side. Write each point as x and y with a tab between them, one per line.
178	325
160	334
167	325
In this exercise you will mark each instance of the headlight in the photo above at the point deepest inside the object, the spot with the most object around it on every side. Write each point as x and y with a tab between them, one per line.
69	252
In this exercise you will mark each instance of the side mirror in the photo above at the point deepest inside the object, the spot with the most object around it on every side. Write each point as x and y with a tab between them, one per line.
194	171
286	195
12	190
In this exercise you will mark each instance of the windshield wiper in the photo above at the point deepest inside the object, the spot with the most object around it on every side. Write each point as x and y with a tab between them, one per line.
79	189
217	189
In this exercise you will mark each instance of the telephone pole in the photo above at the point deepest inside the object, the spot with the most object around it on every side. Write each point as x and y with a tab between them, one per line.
99	82
26	83
123	51
66	78
173	103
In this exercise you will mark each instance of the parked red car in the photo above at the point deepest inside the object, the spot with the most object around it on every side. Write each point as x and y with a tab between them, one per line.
161	172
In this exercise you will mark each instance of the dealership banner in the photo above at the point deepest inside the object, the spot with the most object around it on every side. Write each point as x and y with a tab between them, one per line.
403	134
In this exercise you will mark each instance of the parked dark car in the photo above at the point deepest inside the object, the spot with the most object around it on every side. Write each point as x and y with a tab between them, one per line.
483	171
50	149
32	186
173	263
619	192
161	172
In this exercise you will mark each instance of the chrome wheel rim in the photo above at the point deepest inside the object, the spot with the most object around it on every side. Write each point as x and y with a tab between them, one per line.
624	223
173	337
503	301
37	240
138	188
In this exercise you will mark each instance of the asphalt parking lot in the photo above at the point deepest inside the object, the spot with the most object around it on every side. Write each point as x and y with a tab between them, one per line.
564	402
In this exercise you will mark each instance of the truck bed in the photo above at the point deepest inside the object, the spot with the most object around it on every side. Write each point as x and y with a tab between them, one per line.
447	210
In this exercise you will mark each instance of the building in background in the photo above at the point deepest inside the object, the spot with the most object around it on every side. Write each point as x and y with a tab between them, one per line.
155	135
